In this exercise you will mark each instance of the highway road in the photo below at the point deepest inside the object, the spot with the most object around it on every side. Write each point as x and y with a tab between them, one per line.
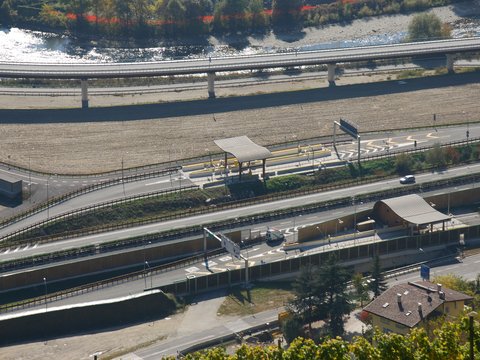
230	214
84	71
468	269
256	253
371	144
199	83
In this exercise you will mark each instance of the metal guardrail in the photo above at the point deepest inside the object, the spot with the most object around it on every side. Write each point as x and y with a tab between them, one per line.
85	190
19	305
82	211
391	153
222	225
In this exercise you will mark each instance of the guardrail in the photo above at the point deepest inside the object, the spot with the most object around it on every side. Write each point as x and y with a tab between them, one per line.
391	153
82	211
105	283
84	190
221	225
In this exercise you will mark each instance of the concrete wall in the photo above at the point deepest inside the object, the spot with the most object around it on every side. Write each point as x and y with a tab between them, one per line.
152	253
45	324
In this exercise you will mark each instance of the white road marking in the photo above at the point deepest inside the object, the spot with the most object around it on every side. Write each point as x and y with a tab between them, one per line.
192	269
158	182
210	263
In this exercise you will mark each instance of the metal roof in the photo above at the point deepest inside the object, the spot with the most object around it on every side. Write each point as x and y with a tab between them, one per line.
243	148
414	209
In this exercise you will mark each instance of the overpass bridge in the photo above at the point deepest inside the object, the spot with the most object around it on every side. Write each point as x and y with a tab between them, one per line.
211	66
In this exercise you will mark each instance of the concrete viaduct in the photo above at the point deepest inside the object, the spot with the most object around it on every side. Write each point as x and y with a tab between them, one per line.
210	66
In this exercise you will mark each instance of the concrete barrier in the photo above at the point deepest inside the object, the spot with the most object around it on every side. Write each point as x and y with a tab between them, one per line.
46	323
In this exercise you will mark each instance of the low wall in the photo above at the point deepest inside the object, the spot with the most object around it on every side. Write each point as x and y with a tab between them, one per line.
99	263
43	324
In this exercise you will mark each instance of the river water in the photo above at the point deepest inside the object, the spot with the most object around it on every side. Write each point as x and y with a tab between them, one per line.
19	45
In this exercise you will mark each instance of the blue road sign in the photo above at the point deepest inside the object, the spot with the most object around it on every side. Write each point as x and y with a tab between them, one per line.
425	272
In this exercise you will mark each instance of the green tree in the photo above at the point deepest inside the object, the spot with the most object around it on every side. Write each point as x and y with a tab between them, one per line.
377	283
305	294
361	289
292	328
436	156
231	15
331	289
258	20
426	26
175	16
403	164
49	16
286	13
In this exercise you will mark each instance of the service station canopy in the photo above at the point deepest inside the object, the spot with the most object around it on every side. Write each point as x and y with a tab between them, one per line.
414	210
243	149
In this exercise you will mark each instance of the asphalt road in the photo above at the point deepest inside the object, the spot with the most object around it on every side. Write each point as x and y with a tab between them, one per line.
235	63
371	145
468	269
230	214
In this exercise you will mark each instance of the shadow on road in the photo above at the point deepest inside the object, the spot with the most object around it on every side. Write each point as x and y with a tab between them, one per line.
228	104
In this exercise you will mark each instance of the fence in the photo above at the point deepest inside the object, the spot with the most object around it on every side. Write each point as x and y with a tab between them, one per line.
222	225
85	190
81	211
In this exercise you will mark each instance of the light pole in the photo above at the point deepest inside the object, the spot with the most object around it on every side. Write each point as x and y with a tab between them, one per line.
48	203
355	219
336	225
151	275
313	157
45	285
123	180
30	177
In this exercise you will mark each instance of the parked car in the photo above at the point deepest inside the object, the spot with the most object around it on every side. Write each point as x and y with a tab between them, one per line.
407	179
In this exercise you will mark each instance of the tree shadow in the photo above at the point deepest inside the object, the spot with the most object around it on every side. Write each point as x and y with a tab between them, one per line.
289	35
469	9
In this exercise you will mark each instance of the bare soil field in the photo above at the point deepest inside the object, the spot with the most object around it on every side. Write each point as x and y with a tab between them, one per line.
87	146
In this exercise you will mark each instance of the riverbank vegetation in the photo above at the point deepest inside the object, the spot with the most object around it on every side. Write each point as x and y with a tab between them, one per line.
152	19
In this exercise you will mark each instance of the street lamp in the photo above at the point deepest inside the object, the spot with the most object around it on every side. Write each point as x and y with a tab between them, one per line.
355	219
151	275
339	221
295	229
45	285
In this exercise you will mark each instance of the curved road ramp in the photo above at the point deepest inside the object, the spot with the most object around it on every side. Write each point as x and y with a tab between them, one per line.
50	322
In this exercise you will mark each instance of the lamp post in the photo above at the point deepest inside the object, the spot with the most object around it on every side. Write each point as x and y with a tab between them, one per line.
339	221
151	275
48	204
30	177
295	232
145	262
123	180
45	285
